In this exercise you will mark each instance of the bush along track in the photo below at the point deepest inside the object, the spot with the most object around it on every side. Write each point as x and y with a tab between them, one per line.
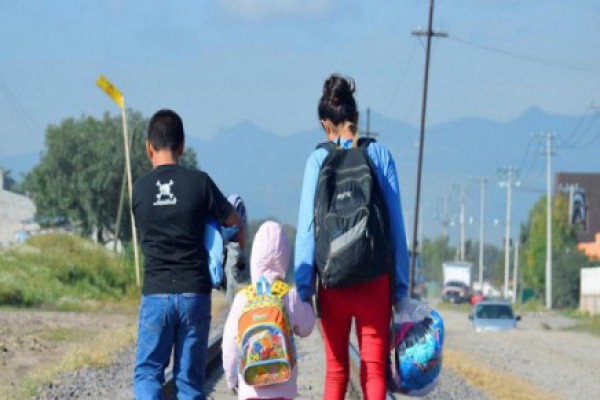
63	272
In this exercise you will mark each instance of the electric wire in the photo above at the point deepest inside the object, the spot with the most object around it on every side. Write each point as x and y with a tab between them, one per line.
527	57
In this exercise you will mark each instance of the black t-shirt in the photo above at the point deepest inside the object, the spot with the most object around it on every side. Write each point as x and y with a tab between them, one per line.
170	205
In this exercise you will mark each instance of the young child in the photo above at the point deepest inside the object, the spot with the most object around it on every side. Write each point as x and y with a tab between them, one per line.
271	256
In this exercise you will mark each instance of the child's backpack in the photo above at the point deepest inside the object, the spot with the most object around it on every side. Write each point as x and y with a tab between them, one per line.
351	220
265	338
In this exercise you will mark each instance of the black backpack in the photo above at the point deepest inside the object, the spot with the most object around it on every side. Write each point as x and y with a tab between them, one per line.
351	218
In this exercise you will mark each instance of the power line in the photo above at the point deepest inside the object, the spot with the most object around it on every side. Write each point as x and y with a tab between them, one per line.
525	156
566	142
578	144
21	112
528	167
402	77
527	57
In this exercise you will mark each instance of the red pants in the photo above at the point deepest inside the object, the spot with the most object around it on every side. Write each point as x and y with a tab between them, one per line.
370	304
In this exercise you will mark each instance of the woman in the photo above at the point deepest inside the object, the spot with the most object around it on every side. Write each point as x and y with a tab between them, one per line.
368	302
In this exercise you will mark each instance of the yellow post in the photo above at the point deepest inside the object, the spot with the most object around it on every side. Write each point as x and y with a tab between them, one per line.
118	98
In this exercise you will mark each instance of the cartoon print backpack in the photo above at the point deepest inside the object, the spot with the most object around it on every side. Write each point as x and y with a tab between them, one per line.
351	220
265	338
416	357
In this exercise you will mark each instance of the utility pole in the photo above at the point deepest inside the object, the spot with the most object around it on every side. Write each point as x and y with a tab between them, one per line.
515	272
462	197
549	136
508	182
463	201
482	181
368	131
443	216
429	33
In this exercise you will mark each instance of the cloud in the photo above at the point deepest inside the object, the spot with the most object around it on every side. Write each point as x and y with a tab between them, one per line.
256	10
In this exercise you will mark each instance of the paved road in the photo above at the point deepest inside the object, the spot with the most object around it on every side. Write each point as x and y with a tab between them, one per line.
556	362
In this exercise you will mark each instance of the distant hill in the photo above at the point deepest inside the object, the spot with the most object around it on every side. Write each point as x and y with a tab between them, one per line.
267	169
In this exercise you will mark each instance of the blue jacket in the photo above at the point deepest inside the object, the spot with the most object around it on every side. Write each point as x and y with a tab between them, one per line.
305	239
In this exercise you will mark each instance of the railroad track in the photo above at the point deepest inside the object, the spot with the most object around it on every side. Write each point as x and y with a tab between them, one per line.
213	357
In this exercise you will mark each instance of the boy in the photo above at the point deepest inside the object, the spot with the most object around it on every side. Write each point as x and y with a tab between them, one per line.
171	205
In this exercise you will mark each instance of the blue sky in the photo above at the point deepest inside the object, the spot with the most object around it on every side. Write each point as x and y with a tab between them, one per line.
221	62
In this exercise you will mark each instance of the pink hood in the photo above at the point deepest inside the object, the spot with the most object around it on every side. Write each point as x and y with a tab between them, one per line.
271	256
271	252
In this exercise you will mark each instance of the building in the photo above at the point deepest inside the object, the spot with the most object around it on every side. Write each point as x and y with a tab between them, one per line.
583	190
16	218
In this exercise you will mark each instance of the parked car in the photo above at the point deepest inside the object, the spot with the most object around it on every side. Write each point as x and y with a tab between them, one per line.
491	315
456	292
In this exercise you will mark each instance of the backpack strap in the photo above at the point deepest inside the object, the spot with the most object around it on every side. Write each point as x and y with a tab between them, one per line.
364	142
278	289
329	146
250	292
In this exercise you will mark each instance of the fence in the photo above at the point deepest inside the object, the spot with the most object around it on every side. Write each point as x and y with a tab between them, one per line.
590	290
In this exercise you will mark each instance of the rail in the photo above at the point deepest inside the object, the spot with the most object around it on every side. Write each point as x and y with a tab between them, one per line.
214	354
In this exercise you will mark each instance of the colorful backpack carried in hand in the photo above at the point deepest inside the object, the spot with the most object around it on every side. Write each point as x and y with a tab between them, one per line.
417	350
265	338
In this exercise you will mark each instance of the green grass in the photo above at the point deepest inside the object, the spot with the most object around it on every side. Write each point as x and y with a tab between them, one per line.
58	335
585	322
531	305
63	272
462	307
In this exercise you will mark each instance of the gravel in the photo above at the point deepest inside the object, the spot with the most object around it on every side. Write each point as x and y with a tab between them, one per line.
561	363
113	382
116	381
451	387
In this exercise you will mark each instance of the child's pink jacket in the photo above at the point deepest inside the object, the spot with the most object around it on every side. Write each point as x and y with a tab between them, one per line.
271	256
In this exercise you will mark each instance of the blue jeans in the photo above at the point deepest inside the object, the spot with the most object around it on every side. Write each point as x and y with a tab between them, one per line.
178	322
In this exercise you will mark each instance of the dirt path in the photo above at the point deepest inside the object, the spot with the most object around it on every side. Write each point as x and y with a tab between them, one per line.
31	339
557	363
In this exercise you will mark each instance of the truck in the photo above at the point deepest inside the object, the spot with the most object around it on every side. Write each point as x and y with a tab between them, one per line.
457	281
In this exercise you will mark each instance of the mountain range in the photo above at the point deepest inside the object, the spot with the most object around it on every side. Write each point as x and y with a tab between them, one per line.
267	169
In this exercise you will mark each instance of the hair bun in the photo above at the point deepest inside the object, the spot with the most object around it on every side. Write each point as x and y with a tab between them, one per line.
337	103
338	89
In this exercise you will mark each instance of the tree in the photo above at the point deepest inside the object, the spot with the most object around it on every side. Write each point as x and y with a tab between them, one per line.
189	158
434	252
81	172
9	182
567	260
